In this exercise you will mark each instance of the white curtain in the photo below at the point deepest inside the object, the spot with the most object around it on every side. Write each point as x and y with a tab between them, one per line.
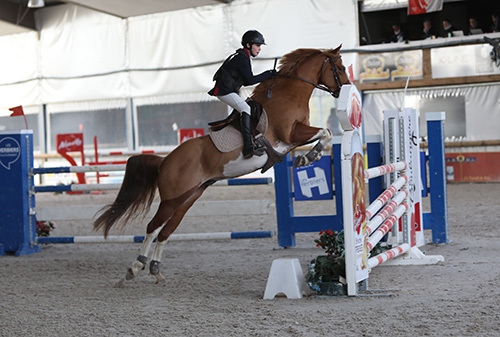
84	55
19	70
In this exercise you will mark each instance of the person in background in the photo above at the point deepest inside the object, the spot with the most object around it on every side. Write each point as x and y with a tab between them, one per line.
398	34
428	32
473	26
495	28
448	28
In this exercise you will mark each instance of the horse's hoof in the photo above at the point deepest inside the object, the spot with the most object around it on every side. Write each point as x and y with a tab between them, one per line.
313	156
119	284
130	274
160	280
300	161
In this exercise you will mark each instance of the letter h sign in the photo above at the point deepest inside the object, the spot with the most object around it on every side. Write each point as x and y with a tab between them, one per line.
314	181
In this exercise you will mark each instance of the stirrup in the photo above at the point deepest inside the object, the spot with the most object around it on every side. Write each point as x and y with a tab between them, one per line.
258	150
254	150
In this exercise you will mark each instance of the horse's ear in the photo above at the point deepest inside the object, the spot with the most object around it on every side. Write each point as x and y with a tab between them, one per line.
336	50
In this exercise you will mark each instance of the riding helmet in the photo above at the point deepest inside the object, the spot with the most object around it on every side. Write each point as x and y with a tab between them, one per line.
252	36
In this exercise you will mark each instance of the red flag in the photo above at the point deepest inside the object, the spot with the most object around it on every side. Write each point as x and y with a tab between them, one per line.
416	7
17	111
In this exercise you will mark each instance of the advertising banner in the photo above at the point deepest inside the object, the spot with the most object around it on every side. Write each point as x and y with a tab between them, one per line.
473	167
314	181
393	66
185	134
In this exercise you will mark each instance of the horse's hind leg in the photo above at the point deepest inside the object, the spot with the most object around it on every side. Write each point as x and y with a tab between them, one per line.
154	227
142	259
167	230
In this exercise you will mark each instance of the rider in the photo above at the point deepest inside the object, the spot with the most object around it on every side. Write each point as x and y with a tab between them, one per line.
235	72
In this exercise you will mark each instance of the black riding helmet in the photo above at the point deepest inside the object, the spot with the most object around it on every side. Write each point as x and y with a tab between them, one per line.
251	37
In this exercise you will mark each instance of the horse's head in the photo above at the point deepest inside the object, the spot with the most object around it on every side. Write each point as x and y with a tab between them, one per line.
333	73
323	69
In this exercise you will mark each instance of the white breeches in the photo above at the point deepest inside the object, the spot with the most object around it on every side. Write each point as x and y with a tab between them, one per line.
236	102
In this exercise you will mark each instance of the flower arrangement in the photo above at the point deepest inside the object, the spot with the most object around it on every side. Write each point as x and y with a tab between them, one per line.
43	228
326	274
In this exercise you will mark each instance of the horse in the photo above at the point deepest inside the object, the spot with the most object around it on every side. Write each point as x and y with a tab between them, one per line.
183	175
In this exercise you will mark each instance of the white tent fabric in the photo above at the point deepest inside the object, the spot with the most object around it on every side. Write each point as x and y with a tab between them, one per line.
76	41
84	55
19	69
199	39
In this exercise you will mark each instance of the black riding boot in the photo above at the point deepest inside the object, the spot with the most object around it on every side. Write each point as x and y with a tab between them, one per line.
249	149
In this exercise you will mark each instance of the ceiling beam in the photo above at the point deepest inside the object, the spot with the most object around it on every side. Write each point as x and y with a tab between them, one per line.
17	14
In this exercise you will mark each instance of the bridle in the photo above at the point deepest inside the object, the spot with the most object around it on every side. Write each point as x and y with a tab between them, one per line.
335	72
320	86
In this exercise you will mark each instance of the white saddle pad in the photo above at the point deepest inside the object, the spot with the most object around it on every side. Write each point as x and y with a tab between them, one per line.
229	139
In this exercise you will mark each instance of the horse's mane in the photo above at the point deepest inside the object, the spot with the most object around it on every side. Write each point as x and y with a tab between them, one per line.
292	61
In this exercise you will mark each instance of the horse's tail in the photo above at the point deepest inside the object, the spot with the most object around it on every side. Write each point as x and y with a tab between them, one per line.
136	193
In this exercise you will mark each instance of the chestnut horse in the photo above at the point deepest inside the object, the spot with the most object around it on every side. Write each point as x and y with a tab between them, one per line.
183	175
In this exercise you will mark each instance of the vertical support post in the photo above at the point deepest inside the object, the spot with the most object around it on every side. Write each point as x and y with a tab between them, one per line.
337	181
374	151
288	222
17	200
423	174
284	202
437	219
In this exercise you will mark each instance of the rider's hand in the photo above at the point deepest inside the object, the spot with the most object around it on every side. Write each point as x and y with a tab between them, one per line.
272	72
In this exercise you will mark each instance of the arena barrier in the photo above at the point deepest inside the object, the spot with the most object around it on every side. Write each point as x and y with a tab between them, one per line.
398	178
115	168
173	237
429	176
396	212
18	211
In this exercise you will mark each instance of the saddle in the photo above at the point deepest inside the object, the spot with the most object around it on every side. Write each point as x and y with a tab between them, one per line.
226	133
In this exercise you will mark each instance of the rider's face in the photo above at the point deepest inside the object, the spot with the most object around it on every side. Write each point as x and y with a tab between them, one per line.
255	50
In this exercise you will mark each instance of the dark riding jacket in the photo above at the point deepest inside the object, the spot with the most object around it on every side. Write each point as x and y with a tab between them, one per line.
235	72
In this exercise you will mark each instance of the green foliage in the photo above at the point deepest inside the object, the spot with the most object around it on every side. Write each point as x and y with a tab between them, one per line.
329	267
332	242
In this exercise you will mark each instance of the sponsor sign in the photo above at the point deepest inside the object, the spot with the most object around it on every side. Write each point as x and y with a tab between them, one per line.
69	142
10	150
185	134
314	181
473	167
393	66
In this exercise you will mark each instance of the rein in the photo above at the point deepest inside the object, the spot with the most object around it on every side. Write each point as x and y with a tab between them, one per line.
317	85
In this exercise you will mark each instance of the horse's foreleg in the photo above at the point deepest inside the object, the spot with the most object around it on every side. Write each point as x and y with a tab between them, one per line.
304	134
316	152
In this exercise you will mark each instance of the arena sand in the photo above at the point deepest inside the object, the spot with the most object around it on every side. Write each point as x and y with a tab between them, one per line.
215	288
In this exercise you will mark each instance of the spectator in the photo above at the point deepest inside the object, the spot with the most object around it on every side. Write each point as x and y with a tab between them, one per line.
398	35
428	31
448	28
473	26
494	23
